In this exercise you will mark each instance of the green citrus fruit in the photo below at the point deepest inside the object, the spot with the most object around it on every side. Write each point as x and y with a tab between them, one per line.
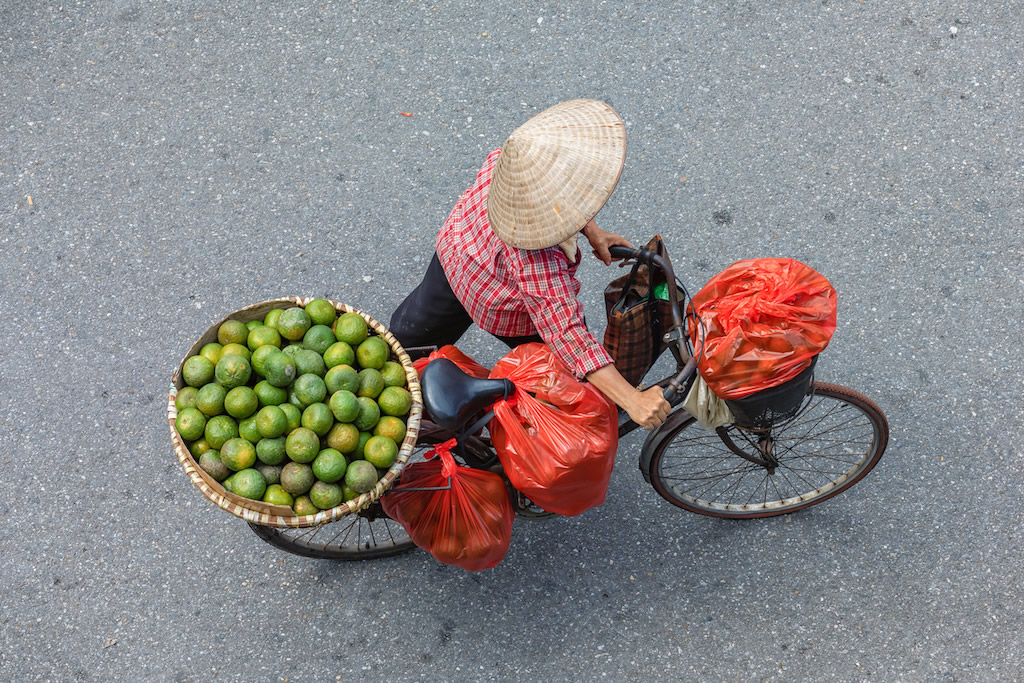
186	398
199	447
279	369
269	395
391	427
395	401
213	351
370	383
304	506
271	473
236	350
359	452
329	465
318	338
294	416
321	312
247	429
248	483
343	437
325	496
339	353
348	493
212	465
293	348
270	319
369	414
293	323
190	423
238	454
317	417
210	399
253	324
344	406
197	371
380	451
309	363
232	332
271	422
263	336
309	388
296	478
360	476
232	371
219	430
342	377
271	451
276	495
302	445
259	358
241	402
393	374
351	329
373	353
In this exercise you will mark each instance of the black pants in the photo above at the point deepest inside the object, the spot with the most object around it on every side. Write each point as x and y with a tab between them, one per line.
432	315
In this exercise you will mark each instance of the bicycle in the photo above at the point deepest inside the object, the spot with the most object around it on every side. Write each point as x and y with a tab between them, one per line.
790	448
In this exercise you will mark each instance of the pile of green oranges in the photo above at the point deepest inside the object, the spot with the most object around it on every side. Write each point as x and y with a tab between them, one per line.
304	408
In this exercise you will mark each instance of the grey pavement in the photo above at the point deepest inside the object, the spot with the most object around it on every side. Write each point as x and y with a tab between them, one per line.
164	163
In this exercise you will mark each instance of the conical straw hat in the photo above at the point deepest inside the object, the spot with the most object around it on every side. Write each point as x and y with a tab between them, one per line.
555	172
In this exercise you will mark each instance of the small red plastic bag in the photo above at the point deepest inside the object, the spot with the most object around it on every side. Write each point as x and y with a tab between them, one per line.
467	364
764	319
557	446
469	526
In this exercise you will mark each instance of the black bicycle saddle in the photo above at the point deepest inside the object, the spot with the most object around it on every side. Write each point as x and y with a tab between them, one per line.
451	397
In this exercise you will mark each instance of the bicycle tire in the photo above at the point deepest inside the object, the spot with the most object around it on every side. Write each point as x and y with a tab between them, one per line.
366	535
696	471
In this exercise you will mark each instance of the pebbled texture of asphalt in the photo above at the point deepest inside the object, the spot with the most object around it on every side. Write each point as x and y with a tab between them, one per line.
162	164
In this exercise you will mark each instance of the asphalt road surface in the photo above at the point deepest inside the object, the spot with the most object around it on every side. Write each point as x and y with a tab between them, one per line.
165	163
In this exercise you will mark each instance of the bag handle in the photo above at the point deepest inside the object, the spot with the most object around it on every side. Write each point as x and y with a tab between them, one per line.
659	248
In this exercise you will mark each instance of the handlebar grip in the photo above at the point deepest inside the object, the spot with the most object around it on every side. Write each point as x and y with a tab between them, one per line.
671	396
618	251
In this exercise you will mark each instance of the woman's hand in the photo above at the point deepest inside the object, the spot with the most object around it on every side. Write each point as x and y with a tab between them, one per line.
648	408
601	240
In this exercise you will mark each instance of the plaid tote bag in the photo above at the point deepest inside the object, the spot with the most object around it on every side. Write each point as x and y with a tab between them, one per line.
636	319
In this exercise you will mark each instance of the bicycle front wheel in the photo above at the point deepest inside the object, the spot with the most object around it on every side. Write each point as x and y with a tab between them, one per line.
830	446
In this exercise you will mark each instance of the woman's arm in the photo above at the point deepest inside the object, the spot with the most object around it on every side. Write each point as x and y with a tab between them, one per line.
647	408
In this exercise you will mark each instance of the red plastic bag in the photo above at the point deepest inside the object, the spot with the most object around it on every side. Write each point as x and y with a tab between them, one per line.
558	448
764	319
468	365
469	526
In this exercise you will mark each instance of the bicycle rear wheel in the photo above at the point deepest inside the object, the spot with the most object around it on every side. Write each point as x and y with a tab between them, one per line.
366	535
830	446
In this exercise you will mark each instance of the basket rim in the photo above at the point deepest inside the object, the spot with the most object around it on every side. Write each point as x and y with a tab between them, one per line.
258	512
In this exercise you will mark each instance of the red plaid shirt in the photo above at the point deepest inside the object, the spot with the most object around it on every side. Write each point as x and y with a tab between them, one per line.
515	292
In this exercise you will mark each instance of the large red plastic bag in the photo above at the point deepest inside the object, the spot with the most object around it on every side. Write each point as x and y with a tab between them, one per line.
467	364
763	321
469	526
557	446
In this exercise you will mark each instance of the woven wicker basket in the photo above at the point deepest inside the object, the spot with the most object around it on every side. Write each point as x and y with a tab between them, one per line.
266	514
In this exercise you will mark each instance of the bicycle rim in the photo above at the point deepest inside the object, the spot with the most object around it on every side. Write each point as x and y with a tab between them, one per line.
830	446
367	535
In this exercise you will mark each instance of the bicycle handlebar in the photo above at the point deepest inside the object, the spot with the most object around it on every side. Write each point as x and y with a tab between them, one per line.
663	263
627	253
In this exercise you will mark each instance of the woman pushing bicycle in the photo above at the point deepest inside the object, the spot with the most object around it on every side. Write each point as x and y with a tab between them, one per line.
507	257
